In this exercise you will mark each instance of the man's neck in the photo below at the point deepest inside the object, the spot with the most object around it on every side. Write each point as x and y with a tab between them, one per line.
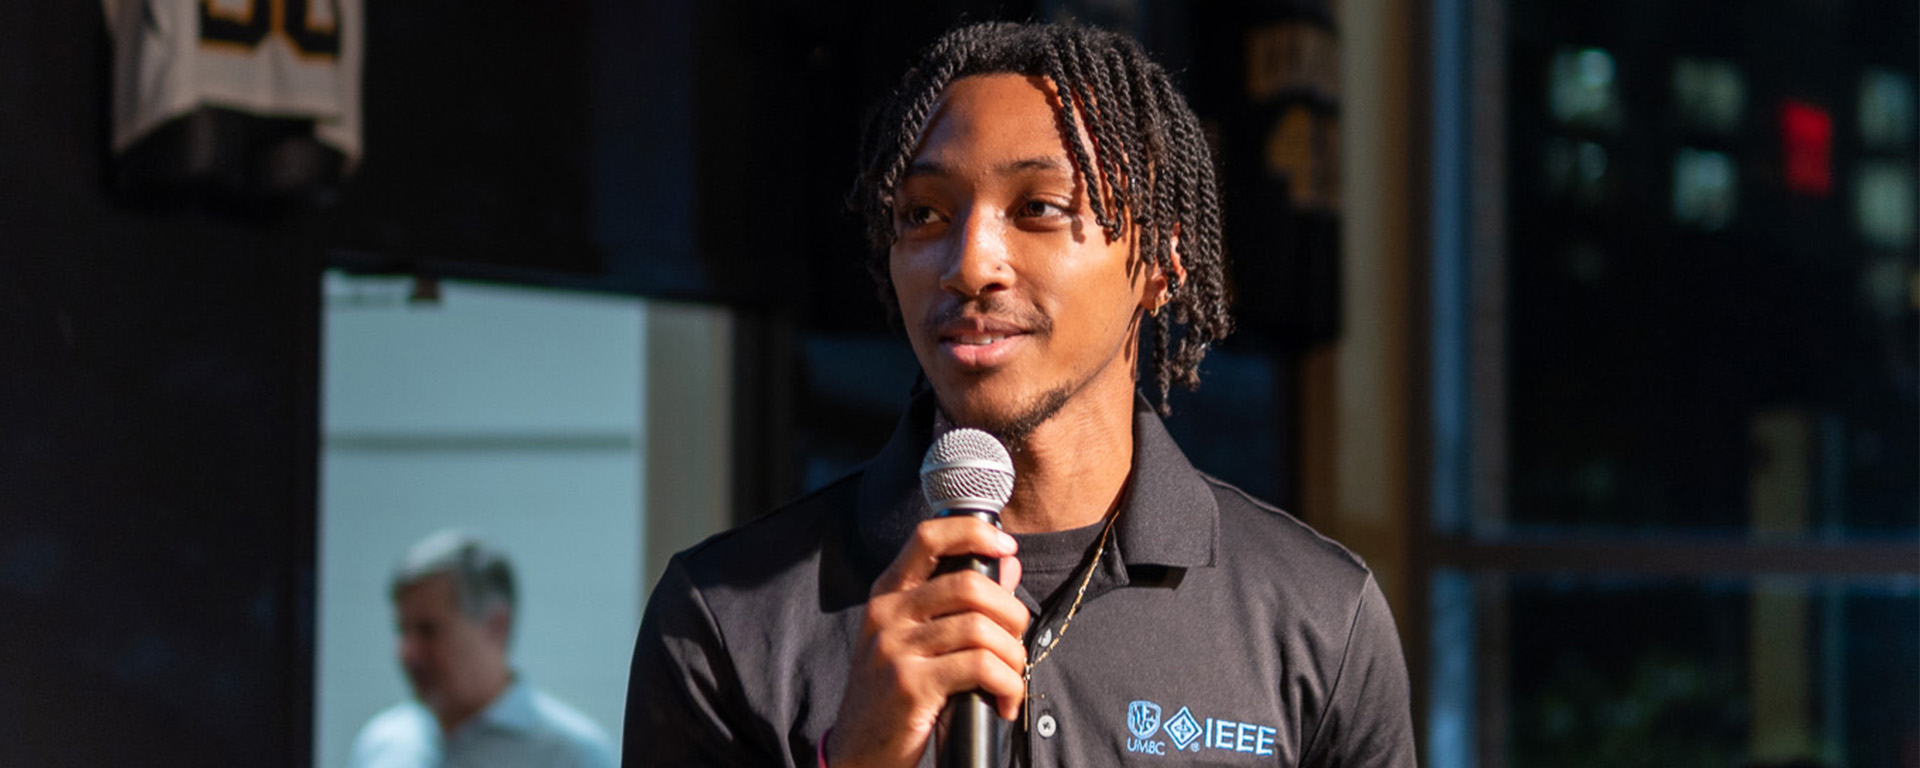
451	718
1071	471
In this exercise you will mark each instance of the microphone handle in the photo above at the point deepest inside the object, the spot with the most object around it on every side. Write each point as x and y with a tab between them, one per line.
971	733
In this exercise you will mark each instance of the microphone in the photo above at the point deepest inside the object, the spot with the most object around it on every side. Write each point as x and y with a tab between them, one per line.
968	472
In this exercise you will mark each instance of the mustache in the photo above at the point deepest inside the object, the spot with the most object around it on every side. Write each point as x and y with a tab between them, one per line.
994	307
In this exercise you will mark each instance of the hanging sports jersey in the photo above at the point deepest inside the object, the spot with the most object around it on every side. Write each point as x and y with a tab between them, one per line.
275	58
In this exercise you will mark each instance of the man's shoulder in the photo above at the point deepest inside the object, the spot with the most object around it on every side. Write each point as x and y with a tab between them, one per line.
583	738
791	532
1257	529
559	716
401	734
767	585
405	718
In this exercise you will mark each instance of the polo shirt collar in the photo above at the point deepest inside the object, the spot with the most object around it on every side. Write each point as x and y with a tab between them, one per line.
1169	516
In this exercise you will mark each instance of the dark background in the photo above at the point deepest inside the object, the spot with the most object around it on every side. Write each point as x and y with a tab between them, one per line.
157	449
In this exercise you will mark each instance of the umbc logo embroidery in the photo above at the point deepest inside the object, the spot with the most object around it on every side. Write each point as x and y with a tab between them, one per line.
1189	733
1143	719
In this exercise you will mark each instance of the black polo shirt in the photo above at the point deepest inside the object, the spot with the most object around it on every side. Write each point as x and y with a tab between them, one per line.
1217	630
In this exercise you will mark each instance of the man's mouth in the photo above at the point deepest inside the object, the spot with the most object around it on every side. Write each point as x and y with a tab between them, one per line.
977	329
979	343
977	339
983	336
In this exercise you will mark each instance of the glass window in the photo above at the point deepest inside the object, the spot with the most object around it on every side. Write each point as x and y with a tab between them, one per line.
1621	671
1692	334
1705	188
1709	95
1583	88
1884	204
1675	385
1886	109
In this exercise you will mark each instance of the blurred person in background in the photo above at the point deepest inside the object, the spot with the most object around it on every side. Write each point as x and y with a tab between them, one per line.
453	599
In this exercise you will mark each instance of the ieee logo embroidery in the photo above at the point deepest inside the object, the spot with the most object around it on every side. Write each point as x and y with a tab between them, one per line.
1190	733
1143	718
1185	730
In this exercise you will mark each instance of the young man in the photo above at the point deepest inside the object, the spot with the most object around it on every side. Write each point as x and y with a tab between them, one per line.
453	597
1039	194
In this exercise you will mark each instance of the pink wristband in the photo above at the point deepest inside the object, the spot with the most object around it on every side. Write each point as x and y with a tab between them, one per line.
821	752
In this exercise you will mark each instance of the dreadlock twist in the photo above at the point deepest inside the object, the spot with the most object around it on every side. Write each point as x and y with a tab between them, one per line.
1154	169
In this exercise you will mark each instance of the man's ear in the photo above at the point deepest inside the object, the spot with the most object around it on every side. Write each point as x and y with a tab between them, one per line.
1173	264
1163	284
499	624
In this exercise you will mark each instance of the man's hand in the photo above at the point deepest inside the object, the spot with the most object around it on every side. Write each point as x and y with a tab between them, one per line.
927	638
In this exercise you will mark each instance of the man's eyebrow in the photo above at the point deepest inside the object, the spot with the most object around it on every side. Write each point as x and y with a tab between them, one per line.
1029	164
1023	165
925	168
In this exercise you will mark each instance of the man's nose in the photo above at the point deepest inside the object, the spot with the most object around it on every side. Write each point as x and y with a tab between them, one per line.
977	257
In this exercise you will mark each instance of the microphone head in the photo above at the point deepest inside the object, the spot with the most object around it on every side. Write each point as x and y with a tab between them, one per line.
967	469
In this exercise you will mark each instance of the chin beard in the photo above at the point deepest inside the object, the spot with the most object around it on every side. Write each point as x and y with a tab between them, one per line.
1012	431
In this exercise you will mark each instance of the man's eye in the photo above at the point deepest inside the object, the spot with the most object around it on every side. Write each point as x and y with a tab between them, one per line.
918	215
1041	208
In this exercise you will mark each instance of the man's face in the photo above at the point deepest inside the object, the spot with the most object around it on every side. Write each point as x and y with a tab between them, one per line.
450	659
1013	298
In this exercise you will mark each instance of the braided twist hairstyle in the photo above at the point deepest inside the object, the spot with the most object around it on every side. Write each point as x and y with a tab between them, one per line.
1153	167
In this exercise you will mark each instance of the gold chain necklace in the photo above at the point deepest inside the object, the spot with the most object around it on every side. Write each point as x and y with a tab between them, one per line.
1026	676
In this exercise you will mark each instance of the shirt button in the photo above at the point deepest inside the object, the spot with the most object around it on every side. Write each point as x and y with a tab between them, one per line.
1046	726
1046	637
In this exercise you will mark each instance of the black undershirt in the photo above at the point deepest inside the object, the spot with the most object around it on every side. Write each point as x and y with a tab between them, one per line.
1051	562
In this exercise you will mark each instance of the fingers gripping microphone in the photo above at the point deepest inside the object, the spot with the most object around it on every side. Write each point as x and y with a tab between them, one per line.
968	472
